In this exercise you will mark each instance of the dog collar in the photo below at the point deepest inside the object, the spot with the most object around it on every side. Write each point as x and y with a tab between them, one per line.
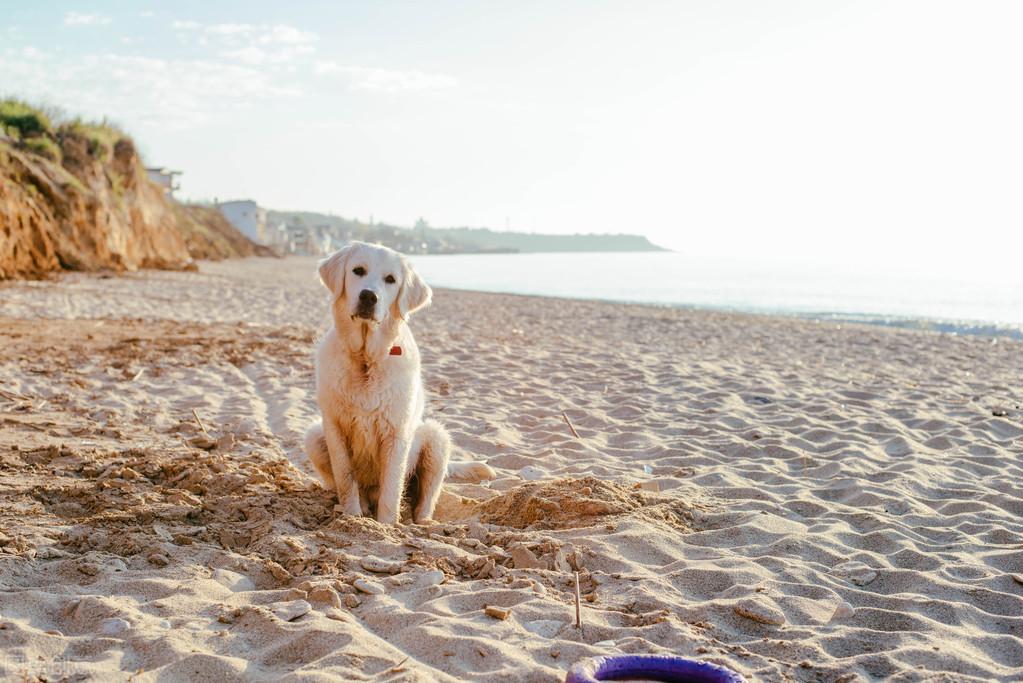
395	351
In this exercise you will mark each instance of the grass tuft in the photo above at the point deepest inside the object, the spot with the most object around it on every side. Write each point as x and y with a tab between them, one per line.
22	120
44	147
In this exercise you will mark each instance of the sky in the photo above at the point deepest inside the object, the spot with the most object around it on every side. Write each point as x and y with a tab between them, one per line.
884	132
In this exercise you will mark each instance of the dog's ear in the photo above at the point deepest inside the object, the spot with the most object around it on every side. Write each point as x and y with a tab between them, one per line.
414	294
333	270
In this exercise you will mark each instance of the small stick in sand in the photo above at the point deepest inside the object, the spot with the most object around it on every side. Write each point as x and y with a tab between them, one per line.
199	422
397	668
569	423
137	375
578	610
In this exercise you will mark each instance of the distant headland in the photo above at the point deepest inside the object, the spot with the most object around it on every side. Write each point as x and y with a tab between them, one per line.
315	233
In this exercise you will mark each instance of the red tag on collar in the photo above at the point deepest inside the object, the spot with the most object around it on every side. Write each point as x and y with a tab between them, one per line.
395	351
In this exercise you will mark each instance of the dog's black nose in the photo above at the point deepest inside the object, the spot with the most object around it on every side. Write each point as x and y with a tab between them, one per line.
367	298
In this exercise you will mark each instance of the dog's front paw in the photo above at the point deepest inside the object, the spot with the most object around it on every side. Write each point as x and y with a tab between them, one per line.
351	507
387	516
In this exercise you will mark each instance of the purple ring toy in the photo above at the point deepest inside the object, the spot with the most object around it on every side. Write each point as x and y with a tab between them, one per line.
650	667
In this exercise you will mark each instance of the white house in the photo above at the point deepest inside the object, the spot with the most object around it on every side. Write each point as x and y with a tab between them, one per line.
248	217
164	177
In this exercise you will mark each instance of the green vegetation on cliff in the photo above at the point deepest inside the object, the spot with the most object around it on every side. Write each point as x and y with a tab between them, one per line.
74	195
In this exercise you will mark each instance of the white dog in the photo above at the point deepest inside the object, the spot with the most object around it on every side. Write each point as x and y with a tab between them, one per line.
373	444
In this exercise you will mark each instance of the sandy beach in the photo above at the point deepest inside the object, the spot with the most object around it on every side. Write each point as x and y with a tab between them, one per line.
799	501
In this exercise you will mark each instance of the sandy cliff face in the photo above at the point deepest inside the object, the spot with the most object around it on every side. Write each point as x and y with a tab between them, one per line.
93	209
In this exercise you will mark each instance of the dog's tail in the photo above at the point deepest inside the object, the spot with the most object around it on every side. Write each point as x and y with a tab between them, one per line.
319	456
471	472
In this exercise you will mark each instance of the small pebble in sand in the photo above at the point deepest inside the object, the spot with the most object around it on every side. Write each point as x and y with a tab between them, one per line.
843	611
202	441
113	626
158	559
351	602
368	587
496	612
289	611
380	566
325	595
759	612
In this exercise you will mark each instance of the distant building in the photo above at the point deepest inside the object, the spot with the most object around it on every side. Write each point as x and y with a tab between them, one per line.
164	177
248	217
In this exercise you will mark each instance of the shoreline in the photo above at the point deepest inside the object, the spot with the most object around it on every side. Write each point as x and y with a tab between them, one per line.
953	327
973	328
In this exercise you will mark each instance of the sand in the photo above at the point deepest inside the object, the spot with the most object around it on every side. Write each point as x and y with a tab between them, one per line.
796	500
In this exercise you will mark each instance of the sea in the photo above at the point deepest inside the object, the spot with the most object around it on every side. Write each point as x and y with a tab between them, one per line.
976	302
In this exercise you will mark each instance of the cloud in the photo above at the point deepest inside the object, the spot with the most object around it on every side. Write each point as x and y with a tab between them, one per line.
386	80
79	19
172	93
253	44
263	34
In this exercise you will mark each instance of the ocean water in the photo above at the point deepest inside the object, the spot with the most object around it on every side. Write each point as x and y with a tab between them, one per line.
974	302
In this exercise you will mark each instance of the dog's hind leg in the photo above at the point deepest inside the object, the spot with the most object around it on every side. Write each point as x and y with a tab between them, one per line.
319	456
431	449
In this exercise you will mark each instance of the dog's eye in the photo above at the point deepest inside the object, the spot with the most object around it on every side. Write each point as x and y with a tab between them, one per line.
359	270
389	279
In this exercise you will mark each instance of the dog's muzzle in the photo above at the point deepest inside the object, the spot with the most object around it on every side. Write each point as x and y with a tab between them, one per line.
367	305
